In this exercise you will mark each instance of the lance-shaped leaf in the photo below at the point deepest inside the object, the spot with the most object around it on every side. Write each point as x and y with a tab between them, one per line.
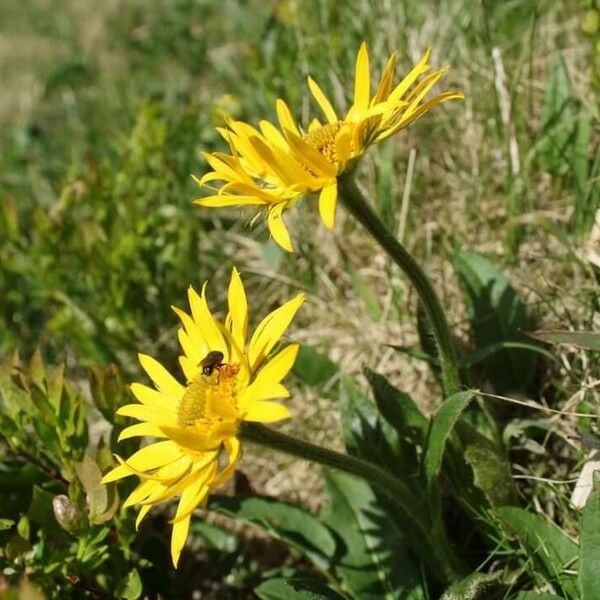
497	315
372	558
296	588
548	546
286	522
440	430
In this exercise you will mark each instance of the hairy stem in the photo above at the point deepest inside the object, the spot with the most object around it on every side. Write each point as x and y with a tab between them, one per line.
441	558
356	203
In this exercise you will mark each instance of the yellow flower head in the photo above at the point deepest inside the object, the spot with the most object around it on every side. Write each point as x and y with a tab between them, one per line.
229	379
274	167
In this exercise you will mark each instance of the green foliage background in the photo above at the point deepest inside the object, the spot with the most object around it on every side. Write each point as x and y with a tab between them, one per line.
103	112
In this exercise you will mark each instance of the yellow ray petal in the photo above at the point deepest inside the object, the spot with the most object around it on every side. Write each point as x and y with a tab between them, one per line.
141	430
277	227
322	101
143	512
385	84
189	367
141	492
270	330
246	136
267	155
197	345
159	475
315	160
273	135
284	168
419	111
267	412
163	380
206	322
279	366
178	537
268	195
228	200
286	120
327	203
194	494
195	352
205	441
150	457
148	414
153	398
422	88
226	168
238	309
362	80
176	487
418	70
233	448
260	390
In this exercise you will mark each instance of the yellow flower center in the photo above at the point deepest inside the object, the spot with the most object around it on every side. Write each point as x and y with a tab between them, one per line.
210	400
327	140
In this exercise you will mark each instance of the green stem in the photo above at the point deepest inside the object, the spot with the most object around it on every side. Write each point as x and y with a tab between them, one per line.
440	558
356	203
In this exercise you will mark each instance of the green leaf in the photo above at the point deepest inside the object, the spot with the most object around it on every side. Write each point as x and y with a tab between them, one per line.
55	386
582	339
398	409
441	427
286	522
491	474
37	370
580	158
131	587
372	560
213	537
482	354
90	475
315	369
544	543
476	586
108	390
366	435
16	546
558	120
497	315
589	547
295	589
419	355
41	510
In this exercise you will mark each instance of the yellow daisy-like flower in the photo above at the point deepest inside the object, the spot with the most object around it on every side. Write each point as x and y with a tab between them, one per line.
229	380
274	167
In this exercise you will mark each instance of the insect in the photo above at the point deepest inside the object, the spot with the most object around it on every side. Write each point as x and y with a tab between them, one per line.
213	360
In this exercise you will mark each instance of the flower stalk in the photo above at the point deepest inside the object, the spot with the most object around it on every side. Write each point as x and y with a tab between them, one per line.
440	558
356	203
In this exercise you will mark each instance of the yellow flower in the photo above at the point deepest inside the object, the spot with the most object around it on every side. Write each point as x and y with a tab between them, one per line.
274	167
229	380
